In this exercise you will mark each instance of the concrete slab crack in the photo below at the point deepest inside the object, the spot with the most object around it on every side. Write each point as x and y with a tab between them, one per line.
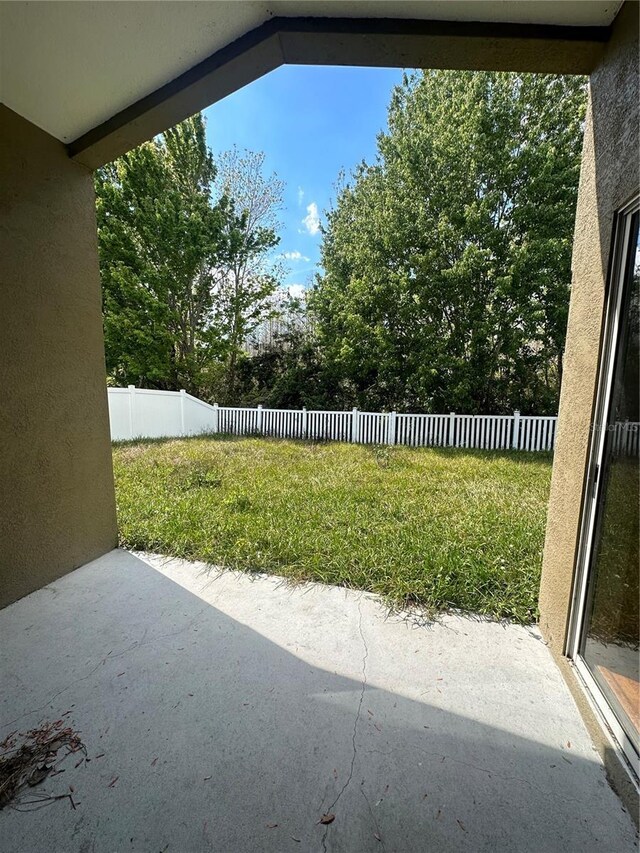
378	834
138	644
355	728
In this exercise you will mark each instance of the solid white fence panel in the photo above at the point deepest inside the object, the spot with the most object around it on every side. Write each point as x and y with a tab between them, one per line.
119	413
156	414
199	417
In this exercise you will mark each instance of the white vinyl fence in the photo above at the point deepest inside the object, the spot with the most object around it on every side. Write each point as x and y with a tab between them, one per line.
626	438
136	413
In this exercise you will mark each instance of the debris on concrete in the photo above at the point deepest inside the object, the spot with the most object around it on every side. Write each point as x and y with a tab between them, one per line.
28	758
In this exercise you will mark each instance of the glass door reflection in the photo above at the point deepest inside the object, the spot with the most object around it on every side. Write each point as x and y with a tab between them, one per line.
609	642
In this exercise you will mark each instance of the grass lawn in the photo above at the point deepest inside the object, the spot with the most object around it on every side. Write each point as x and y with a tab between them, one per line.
442	528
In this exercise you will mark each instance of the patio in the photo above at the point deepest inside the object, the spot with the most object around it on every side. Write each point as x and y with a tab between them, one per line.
233	712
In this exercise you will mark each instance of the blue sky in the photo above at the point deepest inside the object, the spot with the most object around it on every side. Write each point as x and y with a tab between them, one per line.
311	122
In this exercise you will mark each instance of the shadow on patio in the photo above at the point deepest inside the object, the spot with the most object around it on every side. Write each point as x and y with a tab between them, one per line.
226	705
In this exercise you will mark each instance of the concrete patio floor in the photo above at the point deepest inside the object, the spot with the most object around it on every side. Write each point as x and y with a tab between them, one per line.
233	712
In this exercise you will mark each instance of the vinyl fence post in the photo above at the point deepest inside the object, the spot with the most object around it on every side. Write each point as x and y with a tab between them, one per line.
452	429
183	395
516	430
216	418
391	428
259	419
355	426
304	422
132	413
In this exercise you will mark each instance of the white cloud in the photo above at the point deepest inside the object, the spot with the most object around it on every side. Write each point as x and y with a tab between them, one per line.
295	256
300	196
312	220
296	290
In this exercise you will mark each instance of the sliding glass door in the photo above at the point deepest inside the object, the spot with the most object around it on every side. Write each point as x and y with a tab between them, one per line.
606	632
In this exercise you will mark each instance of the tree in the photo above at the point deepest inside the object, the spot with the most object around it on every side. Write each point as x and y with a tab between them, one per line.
167	243
160	237
447	262
286	369
250	276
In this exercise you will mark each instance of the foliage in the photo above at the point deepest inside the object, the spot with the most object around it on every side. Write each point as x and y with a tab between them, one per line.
249	277
167	244
286	369
441	528
286	374
447	262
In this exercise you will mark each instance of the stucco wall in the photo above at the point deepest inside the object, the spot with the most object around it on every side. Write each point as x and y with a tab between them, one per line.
57	507
609	177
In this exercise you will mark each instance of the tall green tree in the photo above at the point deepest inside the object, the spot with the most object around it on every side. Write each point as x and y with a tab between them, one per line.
447	262
167	239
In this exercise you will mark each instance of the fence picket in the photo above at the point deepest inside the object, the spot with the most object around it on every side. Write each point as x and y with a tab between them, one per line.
136	412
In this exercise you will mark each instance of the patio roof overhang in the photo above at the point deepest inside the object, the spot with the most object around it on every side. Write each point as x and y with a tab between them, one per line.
342	41
130	75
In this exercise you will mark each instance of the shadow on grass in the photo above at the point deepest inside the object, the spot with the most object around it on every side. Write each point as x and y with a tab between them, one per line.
521	456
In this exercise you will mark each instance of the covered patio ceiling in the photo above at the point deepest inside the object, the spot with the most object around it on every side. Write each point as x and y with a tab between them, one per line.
221	712
110	75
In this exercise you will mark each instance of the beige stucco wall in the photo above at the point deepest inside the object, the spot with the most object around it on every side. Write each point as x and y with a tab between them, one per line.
609	177
57	507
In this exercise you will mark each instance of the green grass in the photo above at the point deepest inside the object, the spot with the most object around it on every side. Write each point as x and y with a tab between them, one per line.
441	528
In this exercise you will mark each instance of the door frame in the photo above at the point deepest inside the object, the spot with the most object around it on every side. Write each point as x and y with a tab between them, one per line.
593	482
